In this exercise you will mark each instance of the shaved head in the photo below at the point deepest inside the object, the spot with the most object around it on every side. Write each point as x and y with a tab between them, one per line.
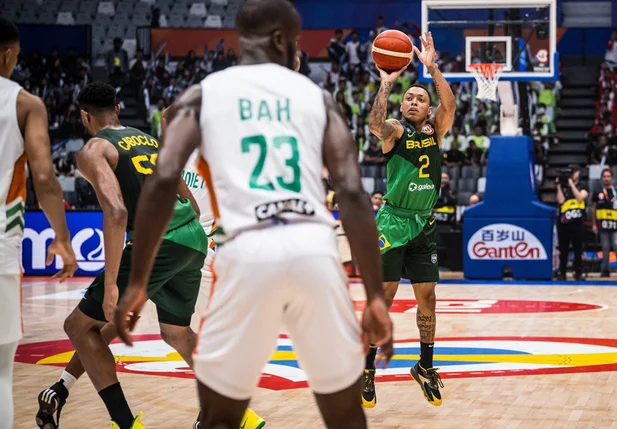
269	31
262	17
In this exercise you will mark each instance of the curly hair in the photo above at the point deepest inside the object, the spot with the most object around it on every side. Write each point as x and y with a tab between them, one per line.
97	97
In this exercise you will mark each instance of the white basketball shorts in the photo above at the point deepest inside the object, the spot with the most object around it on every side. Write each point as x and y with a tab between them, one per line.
288	276
10	292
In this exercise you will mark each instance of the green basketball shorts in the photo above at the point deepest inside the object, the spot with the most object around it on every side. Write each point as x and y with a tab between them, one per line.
408	247
174	281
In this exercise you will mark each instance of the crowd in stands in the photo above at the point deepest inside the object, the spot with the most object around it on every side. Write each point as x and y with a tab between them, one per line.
57	80
602	147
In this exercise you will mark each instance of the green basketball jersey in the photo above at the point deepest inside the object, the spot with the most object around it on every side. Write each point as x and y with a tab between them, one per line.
137	153
414	170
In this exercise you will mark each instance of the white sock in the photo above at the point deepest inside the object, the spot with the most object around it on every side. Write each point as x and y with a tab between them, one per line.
67	379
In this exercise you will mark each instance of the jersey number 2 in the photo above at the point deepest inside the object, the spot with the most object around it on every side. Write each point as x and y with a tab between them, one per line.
422	174
294	184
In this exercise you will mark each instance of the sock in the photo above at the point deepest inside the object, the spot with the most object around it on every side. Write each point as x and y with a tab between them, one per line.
116	404
370	358
67	379
426	355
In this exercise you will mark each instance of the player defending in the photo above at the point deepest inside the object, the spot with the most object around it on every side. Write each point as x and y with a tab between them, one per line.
23	136
265	140
117	161
405	222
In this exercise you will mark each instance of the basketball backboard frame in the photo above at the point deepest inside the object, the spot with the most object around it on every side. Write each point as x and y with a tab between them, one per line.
551	75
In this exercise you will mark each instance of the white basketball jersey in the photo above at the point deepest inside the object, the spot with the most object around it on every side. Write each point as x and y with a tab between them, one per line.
12	201
262	139
199	190
12	179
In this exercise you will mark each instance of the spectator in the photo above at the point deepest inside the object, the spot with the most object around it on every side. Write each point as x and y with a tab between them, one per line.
171	92
185	80
117	63
336	50
377	200
361	138
352	49
380	28
137	73
600	153
454	157
479	138
156	18
611	50
474	155
474	199
72	127
156	117
231	59
332	76
219	63
373	154
356	105
343	89
62	165
445	208
367	50
342	104
454	135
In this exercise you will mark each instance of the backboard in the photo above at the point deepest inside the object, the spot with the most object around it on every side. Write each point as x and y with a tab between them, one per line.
519	34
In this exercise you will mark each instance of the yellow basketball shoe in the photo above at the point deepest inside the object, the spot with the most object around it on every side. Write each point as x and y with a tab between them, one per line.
136	423
369	396
429	381
252	420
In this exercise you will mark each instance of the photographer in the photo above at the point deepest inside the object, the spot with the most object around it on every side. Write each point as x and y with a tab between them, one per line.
570	228
604	217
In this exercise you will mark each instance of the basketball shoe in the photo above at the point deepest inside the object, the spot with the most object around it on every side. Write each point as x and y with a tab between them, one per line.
137	424
51	402
249	421
369	396
429	382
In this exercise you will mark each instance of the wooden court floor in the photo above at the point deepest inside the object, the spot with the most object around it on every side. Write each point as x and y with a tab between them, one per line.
511	356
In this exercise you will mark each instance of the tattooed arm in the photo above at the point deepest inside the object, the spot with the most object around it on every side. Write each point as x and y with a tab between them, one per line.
387	130
444	115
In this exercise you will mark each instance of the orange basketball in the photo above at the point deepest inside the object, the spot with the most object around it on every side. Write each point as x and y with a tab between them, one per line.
392	50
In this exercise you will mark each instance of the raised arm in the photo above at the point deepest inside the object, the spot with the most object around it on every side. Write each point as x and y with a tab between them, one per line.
32	115
156	203
96	161
444	115
341	160
387	130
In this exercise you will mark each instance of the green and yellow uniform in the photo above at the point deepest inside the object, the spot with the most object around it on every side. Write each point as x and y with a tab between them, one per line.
405	223
175	278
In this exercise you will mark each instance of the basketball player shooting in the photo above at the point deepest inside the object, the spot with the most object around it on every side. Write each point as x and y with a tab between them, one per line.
265	133
405	223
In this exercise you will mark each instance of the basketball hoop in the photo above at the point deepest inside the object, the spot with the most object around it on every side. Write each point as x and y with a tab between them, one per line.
487	77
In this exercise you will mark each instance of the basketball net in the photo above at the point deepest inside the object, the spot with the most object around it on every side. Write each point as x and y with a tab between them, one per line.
487	77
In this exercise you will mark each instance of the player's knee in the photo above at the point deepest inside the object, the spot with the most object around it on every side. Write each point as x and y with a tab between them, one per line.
71	325
174	336
426	297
